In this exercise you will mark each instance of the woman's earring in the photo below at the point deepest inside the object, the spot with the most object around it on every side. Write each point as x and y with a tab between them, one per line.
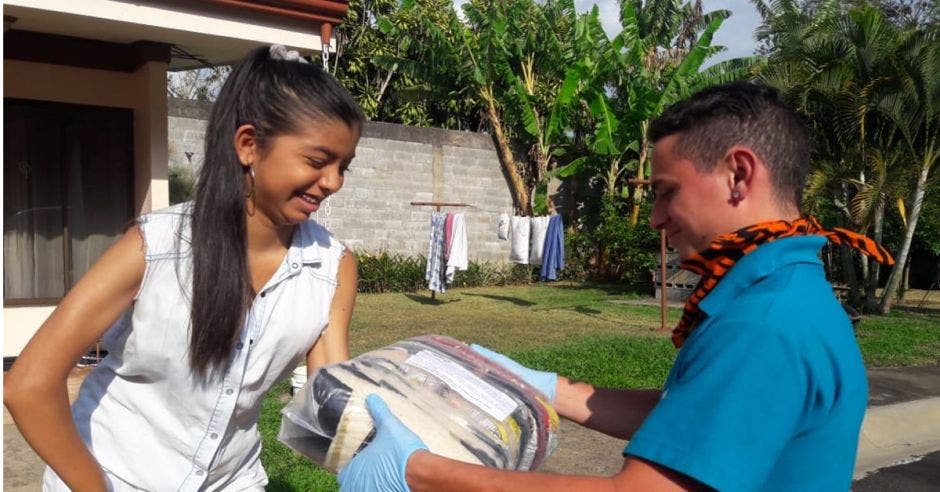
735	196
250	194
251	181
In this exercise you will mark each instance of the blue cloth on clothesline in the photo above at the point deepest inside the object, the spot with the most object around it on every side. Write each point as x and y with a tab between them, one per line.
553	253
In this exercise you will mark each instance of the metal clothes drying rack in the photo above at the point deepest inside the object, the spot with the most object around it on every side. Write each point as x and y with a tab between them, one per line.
437	207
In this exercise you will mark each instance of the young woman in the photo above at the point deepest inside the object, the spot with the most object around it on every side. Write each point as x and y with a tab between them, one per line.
205	305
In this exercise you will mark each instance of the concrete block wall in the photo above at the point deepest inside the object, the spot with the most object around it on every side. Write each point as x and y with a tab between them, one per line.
394	166
186	132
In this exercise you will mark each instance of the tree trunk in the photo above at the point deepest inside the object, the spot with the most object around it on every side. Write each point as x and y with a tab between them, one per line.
388	78
508	161
847	256
905	282
874	270
894	279
640	174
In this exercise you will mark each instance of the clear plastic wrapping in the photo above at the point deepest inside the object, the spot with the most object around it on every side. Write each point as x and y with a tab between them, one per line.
461	404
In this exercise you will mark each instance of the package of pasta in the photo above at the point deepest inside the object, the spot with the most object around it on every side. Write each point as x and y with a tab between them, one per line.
461	404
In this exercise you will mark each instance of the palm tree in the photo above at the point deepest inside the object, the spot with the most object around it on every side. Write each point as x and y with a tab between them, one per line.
868	90
914	109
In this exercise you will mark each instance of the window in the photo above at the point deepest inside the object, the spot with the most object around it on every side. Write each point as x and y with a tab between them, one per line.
67	193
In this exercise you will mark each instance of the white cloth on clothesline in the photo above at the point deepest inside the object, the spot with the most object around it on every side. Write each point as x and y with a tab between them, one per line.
519	229
457	260
502	230
537	239
434	273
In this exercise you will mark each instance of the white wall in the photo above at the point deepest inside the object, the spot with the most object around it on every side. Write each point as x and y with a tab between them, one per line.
144	92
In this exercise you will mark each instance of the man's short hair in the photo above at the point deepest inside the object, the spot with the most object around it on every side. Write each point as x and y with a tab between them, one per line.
713	120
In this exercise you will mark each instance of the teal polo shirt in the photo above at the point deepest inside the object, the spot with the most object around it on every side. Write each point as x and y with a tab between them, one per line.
769	391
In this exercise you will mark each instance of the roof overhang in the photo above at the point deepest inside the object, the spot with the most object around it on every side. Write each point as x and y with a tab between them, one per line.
214	32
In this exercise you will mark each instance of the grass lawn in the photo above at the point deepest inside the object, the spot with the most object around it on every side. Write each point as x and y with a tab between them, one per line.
598	334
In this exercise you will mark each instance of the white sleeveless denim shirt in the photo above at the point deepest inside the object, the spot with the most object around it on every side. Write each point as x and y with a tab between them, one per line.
142	415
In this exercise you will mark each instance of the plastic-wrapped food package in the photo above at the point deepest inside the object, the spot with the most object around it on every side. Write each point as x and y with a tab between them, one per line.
461	404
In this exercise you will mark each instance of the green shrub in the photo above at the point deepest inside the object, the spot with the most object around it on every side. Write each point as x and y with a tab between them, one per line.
387	273
486	274
182	184
382	272
605	247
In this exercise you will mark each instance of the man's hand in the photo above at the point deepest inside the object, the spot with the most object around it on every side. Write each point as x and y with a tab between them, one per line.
541	380
381	465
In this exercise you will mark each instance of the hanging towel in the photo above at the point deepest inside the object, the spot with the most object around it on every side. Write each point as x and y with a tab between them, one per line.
457	260
434	273
537	239
448	234
553	256
502	230
519	239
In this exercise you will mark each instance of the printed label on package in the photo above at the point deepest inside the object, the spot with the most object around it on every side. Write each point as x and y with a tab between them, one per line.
468	385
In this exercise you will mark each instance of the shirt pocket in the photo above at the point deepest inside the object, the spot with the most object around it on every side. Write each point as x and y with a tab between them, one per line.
300	310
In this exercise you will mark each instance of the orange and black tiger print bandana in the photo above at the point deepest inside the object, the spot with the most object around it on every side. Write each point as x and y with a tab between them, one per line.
725	250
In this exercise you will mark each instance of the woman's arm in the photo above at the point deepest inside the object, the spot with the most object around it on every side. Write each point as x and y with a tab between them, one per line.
333	345
35	388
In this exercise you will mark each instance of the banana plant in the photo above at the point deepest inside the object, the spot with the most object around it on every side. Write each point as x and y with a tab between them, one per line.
654	61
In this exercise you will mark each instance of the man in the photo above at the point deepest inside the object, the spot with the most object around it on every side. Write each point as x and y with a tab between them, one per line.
768	389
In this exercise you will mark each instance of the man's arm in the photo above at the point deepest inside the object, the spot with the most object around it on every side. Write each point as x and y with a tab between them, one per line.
429	472
615	412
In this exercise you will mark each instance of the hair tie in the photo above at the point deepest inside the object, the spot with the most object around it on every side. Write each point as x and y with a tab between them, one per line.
280	52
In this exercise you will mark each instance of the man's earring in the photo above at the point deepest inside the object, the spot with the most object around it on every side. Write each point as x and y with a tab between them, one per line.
735	195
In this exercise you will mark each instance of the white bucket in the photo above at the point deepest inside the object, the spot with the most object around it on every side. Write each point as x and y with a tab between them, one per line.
298	379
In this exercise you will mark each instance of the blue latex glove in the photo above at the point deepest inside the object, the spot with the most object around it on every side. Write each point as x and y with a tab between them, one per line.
541	380
380	466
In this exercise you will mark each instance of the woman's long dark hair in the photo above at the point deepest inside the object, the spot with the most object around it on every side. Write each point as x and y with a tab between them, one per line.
275	96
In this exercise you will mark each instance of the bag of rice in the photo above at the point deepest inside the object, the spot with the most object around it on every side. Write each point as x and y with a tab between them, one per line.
463	405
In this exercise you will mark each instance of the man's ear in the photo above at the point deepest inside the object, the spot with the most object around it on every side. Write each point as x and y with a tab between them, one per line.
741	163
246	145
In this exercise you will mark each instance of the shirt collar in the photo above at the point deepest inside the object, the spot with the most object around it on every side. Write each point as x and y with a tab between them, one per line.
306	244
757	265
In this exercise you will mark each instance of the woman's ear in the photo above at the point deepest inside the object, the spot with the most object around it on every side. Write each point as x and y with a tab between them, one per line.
245	145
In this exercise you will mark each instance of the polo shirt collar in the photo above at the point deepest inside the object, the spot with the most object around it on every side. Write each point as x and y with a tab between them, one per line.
757	265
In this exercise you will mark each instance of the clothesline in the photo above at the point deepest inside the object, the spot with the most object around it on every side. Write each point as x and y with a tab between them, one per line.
438	205
447	251
537	241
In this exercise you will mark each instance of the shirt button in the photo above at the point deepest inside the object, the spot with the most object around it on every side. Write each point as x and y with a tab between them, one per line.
294	265
229	391
239	346
200	472
263	294
214	435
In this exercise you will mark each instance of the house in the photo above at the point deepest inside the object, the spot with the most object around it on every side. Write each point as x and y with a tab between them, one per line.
85	122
